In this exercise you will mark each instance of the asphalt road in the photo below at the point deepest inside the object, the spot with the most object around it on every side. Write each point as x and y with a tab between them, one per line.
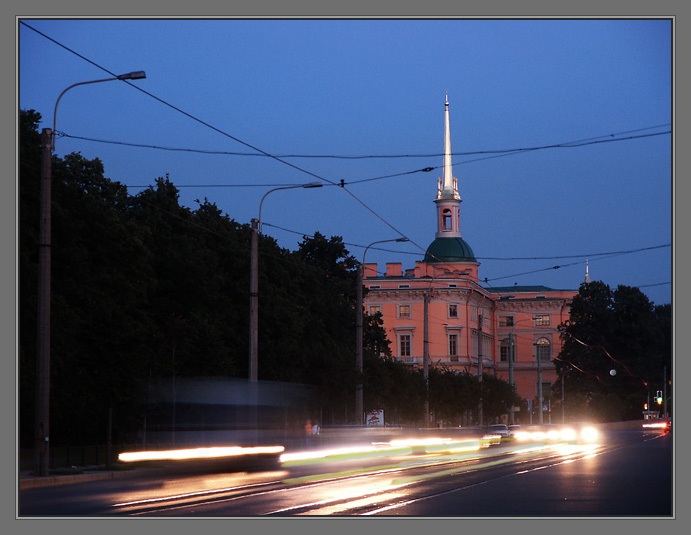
626	473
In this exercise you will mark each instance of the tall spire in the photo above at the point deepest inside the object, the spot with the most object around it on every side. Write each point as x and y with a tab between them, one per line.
587	273
448	201
448	186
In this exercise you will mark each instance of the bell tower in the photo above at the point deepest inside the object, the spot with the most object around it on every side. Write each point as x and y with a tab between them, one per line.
448	200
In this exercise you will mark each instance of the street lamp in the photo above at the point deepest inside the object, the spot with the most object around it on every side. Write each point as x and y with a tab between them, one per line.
254	280
134	75
359	406
42	423
538	355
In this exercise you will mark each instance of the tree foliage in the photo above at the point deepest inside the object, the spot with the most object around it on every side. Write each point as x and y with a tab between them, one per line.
145	288
617	347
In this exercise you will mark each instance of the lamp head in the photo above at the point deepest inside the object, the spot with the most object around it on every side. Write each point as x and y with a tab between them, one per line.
134	75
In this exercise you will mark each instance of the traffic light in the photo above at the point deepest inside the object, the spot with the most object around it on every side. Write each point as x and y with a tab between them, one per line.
645	406
658	397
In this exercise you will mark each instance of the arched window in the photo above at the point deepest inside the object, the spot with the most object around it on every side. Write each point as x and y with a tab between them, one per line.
446	219
544	349
504	350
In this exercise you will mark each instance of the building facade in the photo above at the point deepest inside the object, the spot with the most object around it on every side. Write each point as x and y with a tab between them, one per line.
437	313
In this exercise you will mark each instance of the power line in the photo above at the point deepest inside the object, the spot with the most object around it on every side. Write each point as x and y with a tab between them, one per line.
589	255
215	129
188	115
571	144
494	153
342	183
585	255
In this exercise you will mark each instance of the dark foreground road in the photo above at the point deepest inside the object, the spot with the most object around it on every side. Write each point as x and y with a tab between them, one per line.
624	474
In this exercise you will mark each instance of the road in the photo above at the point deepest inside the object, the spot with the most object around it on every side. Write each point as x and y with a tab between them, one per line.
624	473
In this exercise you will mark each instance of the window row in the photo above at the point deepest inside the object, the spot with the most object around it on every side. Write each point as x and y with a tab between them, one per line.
405	345
405	311
543	349
543	320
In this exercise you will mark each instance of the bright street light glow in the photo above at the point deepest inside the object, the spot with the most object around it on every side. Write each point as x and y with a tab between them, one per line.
197	453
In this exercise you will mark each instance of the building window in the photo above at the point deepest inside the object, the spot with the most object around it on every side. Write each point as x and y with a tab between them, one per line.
542	321
453	311
453	345
544	349
404	285
403	311
374	309
446	219
404	345
483	319
505	321
505	350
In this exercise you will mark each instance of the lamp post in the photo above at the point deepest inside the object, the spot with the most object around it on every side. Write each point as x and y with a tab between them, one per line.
254	280
42	418
480	363
539	384
359	405
563	407
512	353
538	356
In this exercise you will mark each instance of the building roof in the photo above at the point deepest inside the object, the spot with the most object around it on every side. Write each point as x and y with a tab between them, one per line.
516	288
449	250
525	289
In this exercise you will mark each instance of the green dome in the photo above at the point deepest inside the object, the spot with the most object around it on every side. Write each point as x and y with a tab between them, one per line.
449	250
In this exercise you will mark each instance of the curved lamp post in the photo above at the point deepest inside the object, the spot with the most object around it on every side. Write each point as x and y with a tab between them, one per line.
42	424
359	405
254	280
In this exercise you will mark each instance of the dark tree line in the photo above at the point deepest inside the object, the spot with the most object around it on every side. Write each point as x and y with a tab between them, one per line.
617	348
144	288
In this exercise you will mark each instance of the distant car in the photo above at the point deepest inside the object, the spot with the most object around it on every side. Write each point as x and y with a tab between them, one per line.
499	429
661	424
513	429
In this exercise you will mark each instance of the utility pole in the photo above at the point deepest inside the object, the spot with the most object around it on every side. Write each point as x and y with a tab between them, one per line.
425	356
539	384
254	301
42	430
42	416
511	357
359	403
479	364
664	387
563	408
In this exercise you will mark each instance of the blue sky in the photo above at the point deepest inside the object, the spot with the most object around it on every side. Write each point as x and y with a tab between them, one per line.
338	88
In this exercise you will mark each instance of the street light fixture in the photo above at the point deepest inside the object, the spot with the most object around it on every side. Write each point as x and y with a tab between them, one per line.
359	405
134	75
42	423
254	280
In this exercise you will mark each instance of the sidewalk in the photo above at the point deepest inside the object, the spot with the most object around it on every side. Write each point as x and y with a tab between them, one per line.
28	481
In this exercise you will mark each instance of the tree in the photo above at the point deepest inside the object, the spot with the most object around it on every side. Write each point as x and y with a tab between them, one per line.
498	396
29	188
144	289
614	343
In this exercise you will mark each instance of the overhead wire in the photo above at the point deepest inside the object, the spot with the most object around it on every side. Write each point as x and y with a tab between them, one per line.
218	130
342	183
569	144
602	256
496	154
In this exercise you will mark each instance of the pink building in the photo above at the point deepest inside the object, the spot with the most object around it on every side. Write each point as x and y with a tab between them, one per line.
465	325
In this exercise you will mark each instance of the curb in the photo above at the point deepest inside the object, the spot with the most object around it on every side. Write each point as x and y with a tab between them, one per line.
31	482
